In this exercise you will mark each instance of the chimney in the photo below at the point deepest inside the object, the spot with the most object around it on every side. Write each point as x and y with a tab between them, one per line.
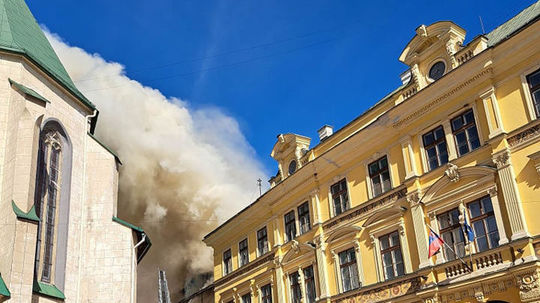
325	132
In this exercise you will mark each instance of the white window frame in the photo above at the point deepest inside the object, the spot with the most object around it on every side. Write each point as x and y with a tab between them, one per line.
527	92
268	246
310	214
223	262
376	156
471	106
335	180
391	224
297	232
238	245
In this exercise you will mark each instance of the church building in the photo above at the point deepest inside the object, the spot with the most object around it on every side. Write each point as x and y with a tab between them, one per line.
60	238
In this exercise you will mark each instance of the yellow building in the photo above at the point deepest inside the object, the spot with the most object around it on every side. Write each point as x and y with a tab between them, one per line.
349	220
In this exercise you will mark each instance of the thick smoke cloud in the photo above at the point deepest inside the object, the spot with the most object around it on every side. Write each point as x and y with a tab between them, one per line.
184	170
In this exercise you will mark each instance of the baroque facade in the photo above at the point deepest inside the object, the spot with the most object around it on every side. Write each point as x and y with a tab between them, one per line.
457	145
60	239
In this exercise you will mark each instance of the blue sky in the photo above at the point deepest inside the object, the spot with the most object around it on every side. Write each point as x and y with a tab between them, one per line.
275	66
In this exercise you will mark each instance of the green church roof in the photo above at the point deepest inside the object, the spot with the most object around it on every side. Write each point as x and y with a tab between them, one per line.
20	33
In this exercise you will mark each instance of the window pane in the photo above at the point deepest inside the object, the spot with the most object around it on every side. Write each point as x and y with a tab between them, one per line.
457	123
469	117
534	79
439	133
461	140
491	224
494	239
474	209
383	163
387	259
389	272
443	153
486	205
394	239
397	256
400	269
373	168
473	137
384	242
481	244
376	186
428	139
386	181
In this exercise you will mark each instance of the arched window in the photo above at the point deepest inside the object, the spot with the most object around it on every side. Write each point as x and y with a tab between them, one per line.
52	200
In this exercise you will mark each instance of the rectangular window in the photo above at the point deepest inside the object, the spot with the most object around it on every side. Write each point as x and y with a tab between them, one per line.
380	176
296	290
309	282
290	226
243	252
303	218
349	270
465	132
340	197
227	262
483	223
262	241
266	294
246	298
534	86
435	147
391	255
451	233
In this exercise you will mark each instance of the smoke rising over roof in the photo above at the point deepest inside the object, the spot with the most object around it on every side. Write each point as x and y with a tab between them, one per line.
184	170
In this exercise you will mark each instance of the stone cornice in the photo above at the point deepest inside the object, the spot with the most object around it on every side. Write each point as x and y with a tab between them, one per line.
524	136
375	203
430	106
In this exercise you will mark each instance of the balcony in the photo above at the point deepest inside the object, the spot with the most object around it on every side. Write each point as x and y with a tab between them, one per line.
477	264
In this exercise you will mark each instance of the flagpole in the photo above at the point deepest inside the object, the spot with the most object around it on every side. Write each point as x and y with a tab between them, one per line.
469	245
444	242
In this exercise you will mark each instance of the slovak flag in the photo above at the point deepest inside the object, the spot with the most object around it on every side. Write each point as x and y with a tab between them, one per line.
435	243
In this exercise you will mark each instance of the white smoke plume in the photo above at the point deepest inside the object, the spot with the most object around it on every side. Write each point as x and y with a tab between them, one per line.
184	170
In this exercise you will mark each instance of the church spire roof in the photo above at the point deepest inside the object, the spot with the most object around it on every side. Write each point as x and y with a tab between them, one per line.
20	33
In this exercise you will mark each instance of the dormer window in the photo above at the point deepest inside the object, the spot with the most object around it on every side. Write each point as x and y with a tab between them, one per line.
292	167
437	70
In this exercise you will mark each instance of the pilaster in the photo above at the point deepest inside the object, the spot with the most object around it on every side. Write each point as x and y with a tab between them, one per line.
498	215
493	115
279	280
405	247
360	268
408	157
450	144
510	193
316	207
322	271
335	258
419	228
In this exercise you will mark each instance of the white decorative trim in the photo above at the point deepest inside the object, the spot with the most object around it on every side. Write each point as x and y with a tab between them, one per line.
494	130
527	92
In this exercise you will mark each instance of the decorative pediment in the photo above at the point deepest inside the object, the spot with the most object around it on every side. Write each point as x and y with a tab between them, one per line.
384	214
427	36
288	151
297	249
457	179
343	231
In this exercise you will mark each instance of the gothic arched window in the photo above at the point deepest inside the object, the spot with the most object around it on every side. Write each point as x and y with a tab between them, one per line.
51	199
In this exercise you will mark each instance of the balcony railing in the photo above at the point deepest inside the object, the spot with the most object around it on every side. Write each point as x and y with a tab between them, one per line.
476	262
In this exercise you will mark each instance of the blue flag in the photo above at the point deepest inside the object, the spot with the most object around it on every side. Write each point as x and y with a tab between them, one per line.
469	231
